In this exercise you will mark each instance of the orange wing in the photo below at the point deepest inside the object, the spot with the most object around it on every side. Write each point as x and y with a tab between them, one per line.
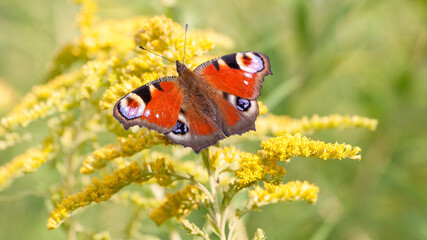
239	74
155	105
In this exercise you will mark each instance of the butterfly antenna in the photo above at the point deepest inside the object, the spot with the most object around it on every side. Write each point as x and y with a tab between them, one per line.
143	48
185	43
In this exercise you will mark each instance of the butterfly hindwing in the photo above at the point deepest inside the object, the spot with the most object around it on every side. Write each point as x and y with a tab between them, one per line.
195	129
154	105
239	114
240	74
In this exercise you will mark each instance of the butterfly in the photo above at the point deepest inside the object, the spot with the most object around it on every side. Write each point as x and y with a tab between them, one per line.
198	108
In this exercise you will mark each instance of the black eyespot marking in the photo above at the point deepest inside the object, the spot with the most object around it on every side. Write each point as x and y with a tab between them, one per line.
242	104
144	93
180	128
157	85
215	64
231	61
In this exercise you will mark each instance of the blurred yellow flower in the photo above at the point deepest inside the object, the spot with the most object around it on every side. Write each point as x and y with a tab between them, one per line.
279	125
125	147
290	191
179	204
27	162
282	148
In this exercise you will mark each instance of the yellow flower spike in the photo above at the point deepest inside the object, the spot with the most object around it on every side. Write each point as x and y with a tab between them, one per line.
161	170
13	138
251	170
226	158
124	147
44	100
98	191
337	121
92	72
262	108
87	15
254	168
284	147
279	125
290	191
27	162
179	204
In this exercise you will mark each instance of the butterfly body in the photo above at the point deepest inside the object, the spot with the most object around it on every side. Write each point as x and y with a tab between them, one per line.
198	108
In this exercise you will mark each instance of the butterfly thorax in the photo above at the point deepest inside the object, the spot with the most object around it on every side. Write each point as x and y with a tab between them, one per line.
198	96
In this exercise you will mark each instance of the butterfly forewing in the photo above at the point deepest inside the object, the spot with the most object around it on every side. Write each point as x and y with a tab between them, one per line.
240	74
154	105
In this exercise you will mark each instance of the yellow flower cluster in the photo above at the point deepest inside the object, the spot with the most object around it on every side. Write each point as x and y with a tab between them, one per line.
263	165
254	168
162	171
44	100
262	108
290	191
225	159
179	204
13	138
103	190
279	125
125	147
87	15
282	148
27	162
97	191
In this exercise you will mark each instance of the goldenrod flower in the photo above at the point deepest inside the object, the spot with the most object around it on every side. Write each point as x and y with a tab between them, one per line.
43	101
262	108
284	147
27	162
179	204
290	191
254	168
87	15
102	190
124	147
279	125
251	169
224	159
13	138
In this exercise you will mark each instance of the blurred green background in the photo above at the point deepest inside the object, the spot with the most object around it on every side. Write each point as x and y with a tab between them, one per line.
361	57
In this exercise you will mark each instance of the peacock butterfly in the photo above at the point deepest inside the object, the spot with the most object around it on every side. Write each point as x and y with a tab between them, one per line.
198	108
